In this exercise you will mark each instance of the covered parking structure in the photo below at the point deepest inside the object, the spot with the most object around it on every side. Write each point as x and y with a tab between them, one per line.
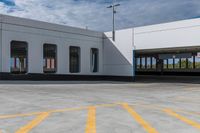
168	49
168	61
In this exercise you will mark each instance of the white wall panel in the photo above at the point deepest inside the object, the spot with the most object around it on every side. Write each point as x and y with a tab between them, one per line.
175	34
63	38
118	55
0	46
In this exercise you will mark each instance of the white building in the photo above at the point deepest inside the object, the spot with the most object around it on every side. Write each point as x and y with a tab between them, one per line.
43	51
170	48
39	50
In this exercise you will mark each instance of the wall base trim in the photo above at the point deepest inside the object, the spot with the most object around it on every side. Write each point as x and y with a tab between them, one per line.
62	77
175	73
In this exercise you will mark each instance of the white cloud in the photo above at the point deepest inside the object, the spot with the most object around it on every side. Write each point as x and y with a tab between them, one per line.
96	16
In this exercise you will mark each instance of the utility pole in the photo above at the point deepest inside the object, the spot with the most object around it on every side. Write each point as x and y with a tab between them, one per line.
113	12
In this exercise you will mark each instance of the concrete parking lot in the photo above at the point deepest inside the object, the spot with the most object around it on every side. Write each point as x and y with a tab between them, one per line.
99	107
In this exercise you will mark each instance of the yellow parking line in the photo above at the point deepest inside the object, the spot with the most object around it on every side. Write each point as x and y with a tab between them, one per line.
182	118
66	110
139	119
81	108
196	114
56	111
33	123
19	115
91	120
157	107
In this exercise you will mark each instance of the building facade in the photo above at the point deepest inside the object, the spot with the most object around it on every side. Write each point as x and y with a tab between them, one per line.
38	50
168	49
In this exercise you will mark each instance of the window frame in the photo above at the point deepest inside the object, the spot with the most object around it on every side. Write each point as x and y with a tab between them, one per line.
53	71
79	59
91	61
27	56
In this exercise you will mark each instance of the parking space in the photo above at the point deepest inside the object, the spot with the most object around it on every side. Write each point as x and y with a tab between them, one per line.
99	107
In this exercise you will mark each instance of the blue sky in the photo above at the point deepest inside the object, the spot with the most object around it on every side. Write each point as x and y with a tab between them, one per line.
8	2
95	15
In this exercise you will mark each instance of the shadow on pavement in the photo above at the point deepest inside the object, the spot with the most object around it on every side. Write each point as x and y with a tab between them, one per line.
167	79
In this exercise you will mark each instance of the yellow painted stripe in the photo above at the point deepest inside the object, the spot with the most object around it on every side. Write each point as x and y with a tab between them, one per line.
106	105
196	114
81	108
182	118
160	108
139	119
91	120
33	123
18	115
55	111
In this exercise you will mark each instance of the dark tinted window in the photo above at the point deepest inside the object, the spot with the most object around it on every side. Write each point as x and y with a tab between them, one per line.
94	59
74	59
19	57
49	58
